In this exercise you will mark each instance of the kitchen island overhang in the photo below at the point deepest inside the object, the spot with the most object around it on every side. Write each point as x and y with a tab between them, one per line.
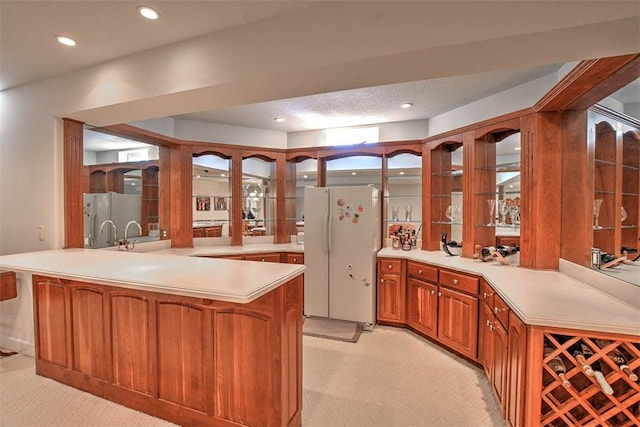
190	340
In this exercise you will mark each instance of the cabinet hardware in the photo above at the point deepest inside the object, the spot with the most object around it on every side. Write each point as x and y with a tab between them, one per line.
496	310
419	271
455	281
439	293
486	295
381	280
433	292
390	266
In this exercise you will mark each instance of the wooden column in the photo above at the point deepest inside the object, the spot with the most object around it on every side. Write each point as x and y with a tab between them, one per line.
577	188
469	162
541	177
281	234
322	172
73	184
236	199
179	195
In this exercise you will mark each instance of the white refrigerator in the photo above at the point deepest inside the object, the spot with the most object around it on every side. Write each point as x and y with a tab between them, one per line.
119	208
342	238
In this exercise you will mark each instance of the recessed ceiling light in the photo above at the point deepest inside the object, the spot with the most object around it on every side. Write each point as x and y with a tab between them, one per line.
353	173
279	119
517	148
222	175
148	12
407	105
401	173
305	176
66	41
510	185
197	176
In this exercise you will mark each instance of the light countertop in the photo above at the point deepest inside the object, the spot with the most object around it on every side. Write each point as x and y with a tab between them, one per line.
254	248
216	279
542	298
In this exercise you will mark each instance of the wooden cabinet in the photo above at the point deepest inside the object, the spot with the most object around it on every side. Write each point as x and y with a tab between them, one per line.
516	379
391	291
154	352
8	285
293	258
422	306
267	257
458	321
198	232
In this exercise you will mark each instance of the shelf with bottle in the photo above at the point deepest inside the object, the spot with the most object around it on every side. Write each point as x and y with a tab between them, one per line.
501	167
589	380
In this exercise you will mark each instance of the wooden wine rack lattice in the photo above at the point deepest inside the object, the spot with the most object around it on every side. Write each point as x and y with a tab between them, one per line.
584	403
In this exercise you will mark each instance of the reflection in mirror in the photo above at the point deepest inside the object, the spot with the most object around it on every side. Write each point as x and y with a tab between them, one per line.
120	190
446	196
355	170
305	174
258	197
403	195
504	211
211	196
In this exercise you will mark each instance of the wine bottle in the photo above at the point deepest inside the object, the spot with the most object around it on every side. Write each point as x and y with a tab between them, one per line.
602	381
577	352
507	250
618	358
557	365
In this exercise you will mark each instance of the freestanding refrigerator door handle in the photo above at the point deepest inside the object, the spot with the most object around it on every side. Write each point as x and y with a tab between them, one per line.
329	227
325	233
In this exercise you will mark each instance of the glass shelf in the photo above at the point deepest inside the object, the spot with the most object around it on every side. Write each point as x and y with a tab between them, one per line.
604	192
630	168
600	162
446	222
630	226
604	228
497	193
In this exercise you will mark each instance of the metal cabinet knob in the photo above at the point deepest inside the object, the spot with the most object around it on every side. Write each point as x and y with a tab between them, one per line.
433	292
496	310
419	271
455	281
381	280
439	294
295	260
390	266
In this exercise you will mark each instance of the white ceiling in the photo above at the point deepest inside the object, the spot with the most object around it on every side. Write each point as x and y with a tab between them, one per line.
107	30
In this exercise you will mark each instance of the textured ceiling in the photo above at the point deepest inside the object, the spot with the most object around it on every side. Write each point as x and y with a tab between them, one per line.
378	104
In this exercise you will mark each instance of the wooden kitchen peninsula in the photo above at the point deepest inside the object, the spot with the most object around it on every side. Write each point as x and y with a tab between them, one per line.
195	341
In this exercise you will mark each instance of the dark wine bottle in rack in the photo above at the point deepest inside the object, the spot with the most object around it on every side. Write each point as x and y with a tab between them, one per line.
618	358
577	352
557	365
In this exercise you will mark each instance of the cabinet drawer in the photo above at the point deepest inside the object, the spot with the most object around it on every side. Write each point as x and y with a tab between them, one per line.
295	258
486	293
8	285
462	282
422	271
501	310
273	257
390	265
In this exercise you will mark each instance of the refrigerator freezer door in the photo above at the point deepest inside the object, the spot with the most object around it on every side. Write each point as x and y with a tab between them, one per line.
316	258
354	244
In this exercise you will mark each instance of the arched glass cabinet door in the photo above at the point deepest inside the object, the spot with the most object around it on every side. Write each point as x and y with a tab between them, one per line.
403	197
211	196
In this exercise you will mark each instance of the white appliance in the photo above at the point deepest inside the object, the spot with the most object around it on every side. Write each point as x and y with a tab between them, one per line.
119	208
342	238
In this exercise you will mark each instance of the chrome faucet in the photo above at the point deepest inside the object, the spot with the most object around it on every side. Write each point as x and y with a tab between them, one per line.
124	244
115	231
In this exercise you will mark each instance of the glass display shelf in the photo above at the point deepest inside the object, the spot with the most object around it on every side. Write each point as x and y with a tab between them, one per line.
630	226
447	173
603	228
497	193
503	167
600	162
630	168
447	222
604	192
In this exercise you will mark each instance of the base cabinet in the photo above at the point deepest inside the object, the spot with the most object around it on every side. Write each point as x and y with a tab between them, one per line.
458	321
422	306
391	292
188	360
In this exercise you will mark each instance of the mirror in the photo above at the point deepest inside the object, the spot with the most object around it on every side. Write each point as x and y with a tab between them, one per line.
120	190
504	211
446	196
354	170
403	196
303	173
258	197
211	207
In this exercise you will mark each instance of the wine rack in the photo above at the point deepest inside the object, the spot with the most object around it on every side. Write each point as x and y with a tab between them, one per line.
585	402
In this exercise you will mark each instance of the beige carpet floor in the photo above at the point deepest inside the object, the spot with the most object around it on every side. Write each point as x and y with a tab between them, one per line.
390	378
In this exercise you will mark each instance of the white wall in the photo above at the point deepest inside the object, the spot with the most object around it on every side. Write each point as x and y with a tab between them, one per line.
227	134
514	99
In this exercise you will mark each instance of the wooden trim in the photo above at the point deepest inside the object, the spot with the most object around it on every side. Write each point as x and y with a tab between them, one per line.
618	117
181	176
281	234
139	134
321	176
73	183
589	82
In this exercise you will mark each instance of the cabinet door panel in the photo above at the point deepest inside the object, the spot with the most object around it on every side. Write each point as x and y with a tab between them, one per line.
270	257
89	329
51	320
391	297
422	306
485	339
181	360
500	360
130	342
517	366
458	321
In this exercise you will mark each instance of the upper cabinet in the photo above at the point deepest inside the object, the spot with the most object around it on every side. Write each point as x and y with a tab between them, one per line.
259	197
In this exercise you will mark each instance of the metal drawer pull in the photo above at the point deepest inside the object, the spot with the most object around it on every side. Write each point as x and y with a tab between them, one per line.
486	295
496	310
